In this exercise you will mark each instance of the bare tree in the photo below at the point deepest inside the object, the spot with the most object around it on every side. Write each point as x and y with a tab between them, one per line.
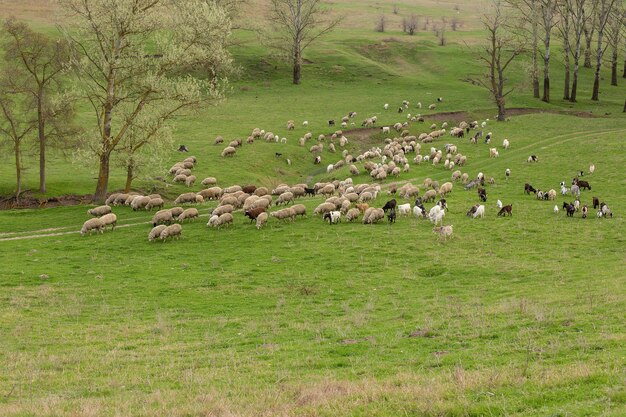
16	121
589	29
547	9
39	62
603	12
381	23
455	23
440	31
614	36
529	13
410	24
125	82
299	23
501	49
576	10
565	31
396	9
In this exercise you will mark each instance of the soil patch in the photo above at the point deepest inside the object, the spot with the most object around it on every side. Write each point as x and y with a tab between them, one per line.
27	201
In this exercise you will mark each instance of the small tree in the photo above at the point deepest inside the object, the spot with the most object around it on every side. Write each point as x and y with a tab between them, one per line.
39	61
455	24
603	12
381	23
615	35
16	121
440	31
296	24
410	24
501	49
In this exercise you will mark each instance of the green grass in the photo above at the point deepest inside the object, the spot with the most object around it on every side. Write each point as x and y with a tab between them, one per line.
518	316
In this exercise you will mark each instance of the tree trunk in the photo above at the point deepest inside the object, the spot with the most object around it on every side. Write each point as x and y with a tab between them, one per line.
18	171
614	66
297	65
624	106
501	109
588	38
535	62
596	80
103	178
624	74
41	130
546	69
572	96
566	50
129	178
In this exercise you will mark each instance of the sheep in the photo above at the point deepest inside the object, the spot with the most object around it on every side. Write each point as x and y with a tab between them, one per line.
221	220
218	140
555	210
111	199
299	209
162	216
228	151
286	213
533	158
551	194
443	231
92	224
109	219
140	202
592	168
261	220
155	203
189	198
180	178
99	211
190	180
404	209
156	232
362	207
174	230
432	107
333	217
429	196
190	213
324	208
183	171
285	198
493	153
445	189
508	209
373	215
229	200
506	144
212	193
353	214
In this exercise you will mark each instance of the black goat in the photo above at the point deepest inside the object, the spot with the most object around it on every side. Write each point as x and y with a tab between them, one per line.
569	208
390	205
392	215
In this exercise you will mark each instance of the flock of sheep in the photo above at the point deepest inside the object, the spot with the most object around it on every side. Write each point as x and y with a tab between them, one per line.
342	199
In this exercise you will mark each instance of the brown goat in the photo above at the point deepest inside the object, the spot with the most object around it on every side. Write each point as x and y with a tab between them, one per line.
506	210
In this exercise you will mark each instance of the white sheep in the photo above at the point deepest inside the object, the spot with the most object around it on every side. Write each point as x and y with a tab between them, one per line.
100	211
505	144
404	209
228	151
592	168
373	215
162	216
156	232
190	213
190	180
109	219
285	198
480	212
443	231
261	220
140	202
171	231
305	123
555	210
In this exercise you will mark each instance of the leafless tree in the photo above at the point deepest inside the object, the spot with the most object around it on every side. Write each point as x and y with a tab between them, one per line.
396	9
426	23
589	30
548	19
529	19
455	23
381	23
564	27
298	24
410	24
501	49
576	10
38	63
603	11
440	31
615	34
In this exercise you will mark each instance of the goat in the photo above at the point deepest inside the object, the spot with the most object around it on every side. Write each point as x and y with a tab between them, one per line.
569	208
390	205
529	188
506	210
596	202
392	215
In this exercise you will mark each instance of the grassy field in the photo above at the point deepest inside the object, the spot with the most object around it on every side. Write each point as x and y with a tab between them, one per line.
516	316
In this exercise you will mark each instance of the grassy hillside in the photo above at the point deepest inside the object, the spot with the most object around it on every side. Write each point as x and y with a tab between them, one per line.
516	316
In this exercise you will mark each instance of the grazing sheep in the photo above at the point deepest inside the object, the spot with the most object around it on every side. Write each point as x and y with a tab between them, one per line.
221	220
362	207
445	189
261	220
551	194
285	198
92	224
429	195
190	213
111	199
324	208
189	198
507	173
228	151
252	214
176	211
109	219
299	209
174	230
218	140
156	232
493	153
373	215
353	214
286	213
162	216
575	190
212	193
506	210
99	211
443	231
155	203
140	202
432	107
190	180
